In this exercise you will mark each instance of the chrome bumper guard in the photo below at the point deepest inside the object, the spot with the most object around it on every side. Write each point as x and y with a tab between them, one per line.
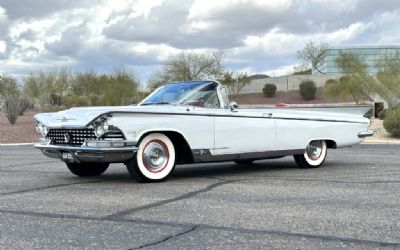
366	134
97	151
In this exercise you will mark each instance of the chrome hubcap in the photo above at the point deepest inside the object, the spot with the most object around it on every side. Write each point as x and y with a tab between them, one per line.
314	150
155	156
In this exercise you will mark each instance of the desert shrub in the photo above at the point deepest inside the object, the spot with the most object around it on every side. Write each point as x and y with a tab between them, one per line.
368	114
392	122
330	81
25	104
12	106
269	90
308	89
76	101
382	114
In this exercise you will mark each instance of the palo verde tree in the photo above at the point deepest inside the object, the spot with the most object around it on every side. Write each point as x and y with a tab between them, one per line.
355	81
385	83
387	80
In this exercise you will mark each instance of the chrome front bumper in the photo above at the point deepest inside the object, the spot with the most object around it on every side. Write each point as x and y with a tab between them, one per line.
88	154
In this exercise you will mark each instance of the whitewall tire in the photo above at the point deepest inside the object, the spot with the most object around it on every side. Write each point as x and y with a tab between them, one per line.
155	159
314	155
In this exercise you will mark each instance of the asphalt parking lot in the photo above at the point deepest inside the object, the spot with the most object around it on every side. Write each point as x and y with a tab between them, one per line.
353	201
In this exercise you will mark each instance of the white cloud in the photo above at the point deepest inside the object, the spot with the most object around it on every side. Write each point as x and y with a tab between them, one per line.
3	46
258	36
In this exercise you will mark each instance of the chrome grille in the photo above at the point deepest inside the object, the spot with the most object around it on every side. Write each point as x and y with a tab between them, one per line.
75	137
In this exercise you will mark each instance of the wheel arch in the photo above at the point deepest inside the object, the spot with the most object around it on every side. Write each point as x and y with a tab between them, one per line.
330	143
183	151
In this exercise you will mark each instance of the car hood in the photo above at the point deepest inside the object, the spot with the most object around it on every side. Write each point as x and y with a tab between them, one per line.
80	117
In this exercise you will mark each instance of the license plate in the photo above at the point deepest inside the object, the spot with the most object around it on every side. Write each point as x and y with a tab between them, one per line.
66	156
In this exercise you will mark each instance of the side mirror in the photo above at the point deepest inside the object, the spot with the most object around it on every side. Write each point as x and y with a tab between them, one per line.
233	106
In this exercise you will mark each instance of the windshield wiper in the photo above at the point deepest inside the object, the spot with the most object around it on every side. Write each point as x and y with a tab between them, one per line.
157	103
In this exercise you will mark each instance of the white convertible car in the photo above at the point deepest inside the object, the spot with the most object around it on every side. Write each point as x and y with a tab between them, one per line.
193	122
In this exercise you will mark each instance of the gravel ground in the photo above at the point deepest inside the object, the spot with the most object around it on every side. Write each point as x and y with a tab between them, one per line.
22	132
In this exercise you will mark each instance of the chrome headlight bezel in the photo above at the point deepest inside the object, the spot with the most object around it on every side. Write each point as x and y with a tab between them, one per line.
42	129
101	126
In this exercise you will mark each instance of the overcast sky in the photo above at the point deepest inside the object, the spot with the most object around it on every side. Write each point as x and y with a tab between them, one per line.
257	36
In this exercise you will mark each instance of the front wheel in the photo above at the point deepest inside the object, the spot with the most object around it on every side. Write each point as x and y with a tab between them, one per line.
87	168
155	159
314	156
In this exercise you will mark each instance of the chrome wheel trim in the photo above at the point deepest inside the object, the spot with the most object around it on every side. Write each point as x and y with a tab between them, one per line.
314	150
155	156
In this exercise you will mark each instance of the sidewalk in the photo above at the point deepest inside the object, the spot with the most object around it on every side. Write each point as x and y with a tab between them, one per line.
380	134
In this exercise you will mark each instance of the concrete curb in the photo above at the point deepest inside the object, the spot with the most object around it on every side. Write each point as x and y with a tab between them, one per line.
394	142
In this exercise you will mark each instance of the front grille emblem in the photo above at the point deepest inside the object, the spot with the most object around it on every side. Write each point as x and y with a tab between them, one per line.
67	138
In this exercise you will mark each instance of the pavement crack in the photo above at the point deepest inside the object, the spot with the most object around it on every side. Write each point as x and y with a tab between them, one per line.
166	238
48	187
193	227
316	180
121	214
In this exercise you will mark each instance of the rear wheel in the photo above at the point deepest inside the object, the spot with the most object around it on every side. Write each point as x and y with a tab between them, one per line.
155	159
314	156
87	168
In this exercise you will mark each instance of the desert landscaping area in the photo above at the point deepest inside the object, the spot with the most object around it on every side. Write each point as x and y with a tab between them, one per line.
23	131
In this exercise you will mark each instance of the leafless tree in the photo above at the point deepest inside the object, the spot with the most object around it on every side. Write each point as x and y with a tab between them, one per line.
189	66
313	54
235	81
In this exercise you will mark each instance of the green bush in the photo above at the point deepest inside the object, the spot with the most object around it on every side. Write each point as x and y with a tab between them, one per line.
269	90
330	81
392	122
25	104
308	89
382	114
12	106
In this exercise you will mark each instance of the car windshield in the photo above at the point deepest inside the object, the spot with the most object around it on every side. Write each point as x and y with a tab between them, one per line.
199	93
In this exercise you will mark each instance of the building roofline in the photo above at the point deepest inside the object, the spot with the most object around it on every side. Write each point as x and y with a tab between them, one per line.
366	47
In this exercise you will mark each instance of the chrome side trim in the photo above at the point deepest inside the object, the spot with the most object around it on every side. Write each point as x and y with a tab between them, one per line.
204	155
364	134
